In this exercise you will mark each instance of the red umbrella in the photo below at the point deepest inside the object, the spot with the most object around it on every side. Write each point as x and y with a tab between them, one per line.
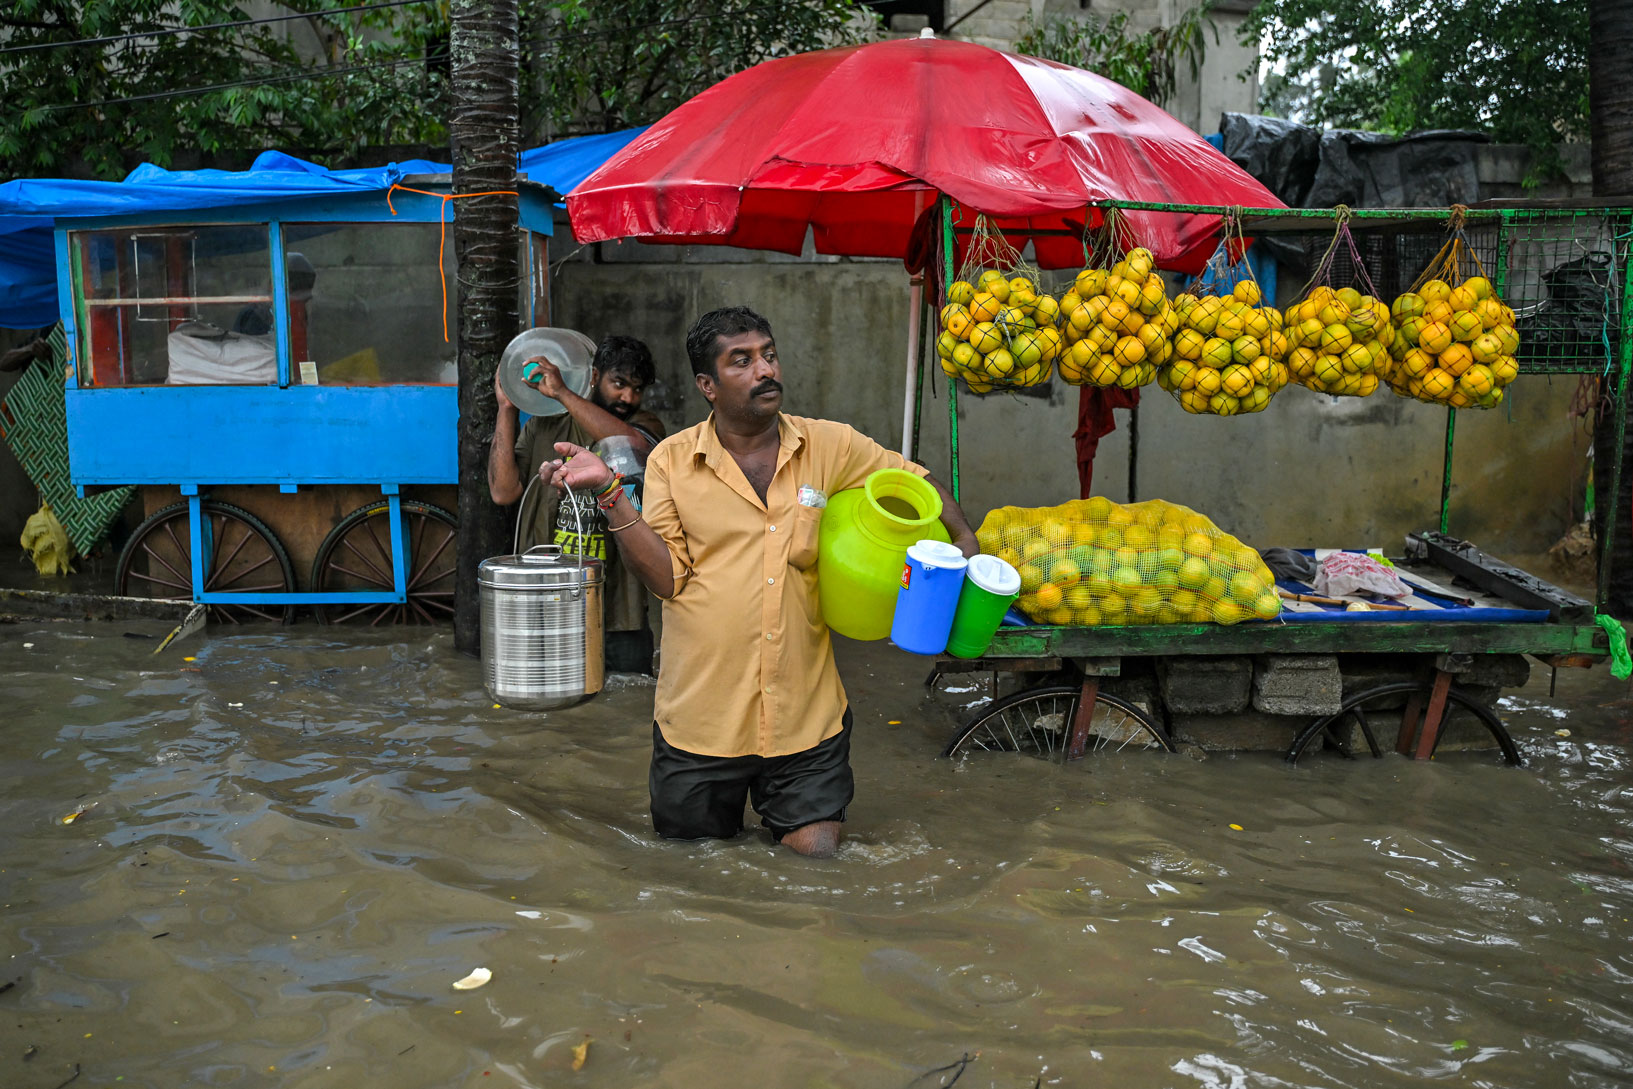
854	144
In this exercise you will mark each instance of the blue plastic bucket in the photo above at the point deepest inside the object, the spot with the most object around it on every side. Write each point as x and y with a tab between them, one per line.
932	578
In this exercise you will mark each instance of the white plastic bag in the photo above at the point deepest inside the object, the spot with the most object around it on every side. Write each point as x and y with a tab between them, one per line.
1346	573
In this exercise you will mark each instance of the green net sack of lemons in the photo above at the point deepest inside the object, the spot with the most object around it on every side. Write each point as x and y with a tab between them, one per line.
1230	351
1457	340
1092	563
999	328
1340	338
1118	322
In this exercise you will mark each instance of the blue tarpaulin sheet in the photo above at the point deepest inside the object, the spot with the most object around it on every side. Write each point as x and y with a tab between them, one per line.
28	281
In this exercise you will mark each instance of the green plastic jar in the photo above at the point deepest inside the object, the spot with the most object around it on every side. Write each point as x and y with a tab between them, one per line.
862	548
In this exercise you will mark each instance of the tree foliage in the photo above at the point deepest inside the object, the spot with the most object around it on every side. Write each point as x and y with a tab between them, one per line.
333	83
1517	69
62	110
1144	62
602	65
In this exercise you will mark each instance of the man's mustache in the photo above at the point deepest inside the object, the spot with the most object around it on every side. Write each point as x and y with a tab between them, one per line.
770	385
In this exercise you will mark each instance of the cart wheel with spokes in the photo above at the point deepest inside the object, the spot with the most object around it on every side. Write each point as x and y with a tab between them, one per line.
1469	730
356	556
1038	722
241	556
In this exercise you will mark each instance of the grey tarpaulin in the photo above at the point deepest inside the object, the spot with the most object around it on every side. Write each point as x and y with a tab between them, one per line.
1313	168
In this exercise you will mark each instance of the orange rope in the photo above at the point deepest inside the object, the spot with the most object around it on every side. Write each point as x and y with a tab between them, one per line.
442	235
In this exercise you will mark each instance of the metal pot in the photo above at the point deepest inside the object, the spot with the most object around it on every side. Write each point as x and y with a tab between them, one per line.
541	628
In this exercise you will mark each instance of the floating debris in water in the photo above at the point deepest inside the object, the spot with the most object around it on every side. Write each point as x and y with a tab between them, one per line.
580	1053
476	979
1562	733
1235	828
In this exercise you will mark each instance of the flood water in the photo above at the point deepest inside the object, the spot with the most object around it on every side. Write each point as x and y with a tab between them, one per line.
289	847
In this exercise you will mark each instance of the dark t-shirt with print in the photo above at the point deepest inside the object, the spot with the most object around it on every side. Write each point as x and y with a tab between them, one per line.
545	520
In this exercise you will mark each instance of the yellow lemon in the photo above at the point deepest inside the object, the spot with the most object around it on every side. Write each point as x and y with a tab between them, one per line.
985	306
1466	325
1456	359
1477	381
1435	290
985	337
1335	338
1193	400
1437	384
1435	338
1236	380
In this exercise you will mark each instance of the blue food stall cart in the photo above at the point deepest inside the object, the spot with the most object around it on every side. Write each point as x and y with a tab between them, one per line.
269	357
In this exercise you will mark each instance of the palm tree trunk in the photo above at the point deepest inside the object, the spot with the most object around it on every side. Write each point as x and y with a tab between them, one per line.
483	47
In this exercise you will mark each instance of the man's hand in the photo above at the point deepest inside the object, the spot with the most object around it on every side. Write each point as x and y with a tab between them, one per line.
499	392
548	381
967	544
582	471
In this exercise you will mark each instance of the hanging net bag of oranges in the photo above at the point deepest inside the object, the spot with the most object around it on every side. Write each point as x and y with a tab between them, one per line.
999	328
1117	318
1457	340
1229	351
1092	562
1340	337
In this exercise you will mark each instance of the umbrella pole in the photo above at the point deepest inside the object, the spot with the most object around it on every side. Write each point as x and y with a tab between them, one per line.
915	314
948	249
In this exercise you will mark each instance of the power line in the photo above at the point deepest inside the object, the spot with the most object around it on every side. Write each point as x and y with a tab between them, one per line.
170	31
314	73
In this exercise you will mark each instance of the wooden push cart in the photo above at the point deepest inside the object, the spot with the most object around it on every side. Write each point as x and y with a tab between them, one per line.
1563	267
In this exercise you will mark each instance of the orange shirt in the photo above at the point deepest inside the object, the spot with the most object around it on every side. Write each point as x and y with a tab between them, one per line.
747	665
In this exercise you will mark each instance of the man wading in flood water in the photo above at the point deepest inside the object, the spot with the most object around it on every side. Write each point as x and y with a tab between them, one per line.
749	704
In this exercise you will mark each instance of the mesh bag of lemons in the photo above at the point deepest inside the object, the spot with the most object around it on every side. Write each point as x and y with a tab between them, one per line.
1229	352
1340	337
1092	562
999	328
1118	323
1457	340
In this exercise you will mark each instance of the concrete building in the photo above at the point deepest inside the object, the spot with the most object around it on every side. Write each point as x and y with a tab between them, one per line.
1227	78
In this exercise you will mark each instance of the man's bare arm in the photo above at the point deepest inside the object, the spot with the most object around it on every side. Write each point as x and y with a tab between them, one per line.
638	543
952	516
504	483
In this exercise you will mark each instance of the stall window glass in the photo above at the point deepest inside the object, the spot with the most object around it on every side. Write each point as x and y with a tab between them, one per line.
176	306
365	304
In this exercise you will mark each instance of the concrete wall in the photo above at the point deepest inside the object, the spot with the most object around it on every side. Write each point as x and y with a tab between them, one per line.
1308	471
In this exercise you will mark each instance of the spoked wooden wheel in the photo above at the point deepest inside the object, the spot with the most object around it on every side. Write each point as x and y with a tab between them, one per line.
356	556
1038	722
241	556
1389	719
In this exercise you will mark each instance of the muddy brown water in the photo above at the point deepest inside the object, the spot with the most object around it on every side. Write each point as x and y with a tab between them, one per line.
290	847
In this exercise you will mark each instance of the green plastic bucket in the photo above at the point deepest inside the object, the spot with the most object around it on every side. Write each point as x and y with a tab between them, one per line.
990	588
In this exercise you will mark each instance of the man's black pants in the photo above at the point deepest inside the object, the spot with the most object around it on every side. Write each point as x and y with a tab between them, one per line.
699	797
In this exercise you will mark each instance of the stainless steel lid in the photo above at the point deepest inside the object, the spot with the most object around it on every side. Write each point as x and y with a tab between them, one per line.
540	566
